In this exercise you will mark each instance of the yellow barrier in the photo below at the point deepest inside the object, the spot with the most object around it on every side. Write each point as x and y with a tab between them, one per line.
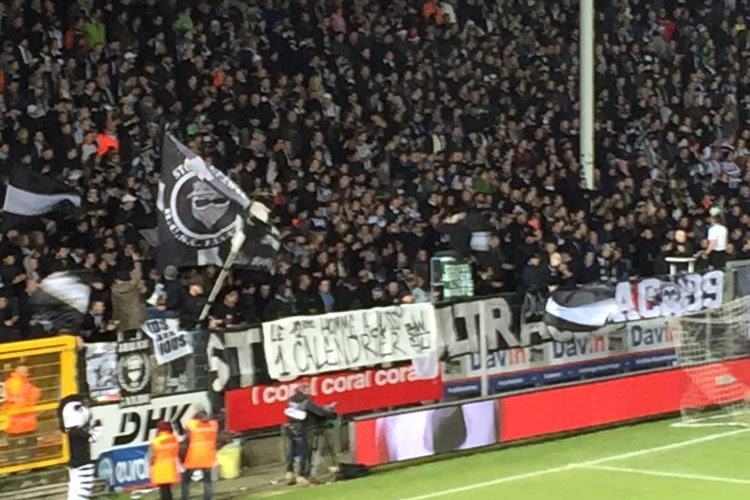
51	366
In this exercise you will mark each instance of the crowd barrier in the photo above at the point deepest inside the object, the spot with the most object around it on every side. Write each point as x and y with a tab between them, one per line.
366	361
50	364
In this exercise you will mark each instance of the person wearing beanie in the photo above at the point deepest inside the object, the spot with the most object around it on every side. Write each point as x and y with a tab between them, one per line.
164	459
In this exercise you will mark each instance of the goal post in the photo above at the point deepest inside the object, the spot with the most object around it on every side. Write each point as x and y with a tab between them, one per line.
709	347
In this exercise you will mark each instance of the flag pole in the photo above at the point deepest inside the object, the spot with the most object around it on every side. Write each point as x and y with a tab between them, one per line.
237	240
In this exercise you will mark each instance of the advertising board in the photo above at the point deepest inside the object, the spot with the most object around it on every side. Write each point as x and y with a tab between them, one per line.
423	433
595	403
366	390
127	427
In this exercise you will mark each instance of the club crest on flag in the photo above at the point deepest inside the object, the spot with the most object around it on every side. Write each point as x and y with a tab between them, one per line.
133	372
207	205
201	208
195	213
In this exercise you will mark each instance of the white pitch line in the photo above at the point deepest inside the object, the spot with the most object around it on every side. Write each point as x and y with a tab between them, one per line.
666	447
492	482
553	470
698	477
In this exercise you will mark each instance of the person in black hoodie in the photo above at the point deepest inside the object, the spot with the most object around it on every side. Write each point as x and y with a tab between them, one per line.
227	312
193	305
174	289
308	302
646	250
535	276
589	272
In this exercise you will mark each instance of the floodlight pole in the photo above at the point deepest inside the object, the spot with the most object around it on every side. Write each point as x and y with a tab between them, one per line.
588	91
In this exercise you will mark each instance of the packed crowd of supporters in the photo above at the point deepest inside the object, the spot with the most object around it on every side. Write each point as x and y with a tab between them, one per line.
385	130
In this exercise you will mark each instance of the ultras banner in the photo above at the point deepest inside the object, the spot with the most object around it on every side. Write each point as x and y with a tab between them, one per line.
311	345
596	305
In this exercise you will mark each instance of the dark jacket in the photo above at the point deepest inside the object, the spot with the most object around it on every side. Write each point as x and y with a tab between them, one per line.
314	414
175	294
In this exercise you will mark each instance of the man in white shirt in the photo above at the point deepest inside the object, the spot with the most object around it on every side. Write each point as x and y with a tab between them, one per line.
717	240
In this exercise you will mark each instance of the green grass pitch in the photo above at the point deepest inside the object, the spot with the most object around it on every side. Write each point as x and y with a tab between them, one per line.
652	461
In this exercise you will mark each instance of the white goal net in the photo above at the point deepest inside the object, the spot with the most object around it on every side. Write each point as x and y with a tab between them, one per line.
711	346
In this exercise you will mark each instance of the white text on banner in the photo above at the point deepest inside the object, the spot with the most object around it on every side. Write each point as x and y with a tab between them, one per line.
300	346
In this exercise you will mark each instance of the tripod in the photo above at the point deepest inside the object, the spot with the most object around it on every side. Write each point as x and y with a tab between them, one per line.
320	447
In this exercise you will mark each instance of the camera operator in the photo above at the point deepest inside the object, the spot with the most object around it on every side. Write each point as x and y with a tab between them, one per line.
303	415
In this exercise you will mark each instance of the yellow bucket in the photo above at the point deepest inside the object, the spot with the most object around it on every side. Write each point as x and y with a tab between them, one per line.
229	458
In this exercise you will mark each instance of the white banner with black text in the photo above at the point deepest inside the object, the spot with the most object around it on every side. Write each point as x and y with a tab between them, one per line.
170	342
301	346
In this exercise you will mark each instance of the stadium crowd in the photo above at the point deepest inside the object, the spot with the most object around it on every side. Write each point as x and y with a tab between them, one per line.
386	131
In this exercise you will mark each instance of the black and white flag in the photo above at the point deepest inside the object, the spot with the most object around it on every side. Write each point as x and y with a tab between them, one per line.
31	194
198	206
61	302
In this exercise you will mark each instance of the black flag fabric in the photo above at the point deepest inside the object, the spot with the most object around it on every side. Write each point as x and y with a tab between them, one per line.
62	300
584	309
31	194
198	208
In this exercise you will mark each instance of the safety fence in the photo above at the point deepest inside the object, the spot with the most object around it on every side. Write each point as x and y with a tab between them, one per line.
36	374
367	361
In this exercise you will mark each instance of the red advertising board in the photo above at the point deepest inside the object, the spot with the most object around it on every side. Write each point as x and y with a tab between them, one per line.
558	409
591	404
366	390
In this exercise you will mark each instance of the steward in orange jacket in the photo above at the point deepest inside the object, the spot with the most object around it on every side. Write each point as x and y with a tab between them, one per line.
164	459
19	394
201	433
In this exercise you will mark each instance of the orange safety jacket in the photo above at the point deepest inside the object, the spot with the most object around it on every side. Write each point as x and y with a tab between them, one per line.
19	394
201	452
165	465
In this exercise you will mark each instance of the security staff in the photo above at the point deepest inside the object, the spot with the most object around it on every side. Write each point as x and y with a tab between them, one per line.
19	397
302	413
164	459
201	432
